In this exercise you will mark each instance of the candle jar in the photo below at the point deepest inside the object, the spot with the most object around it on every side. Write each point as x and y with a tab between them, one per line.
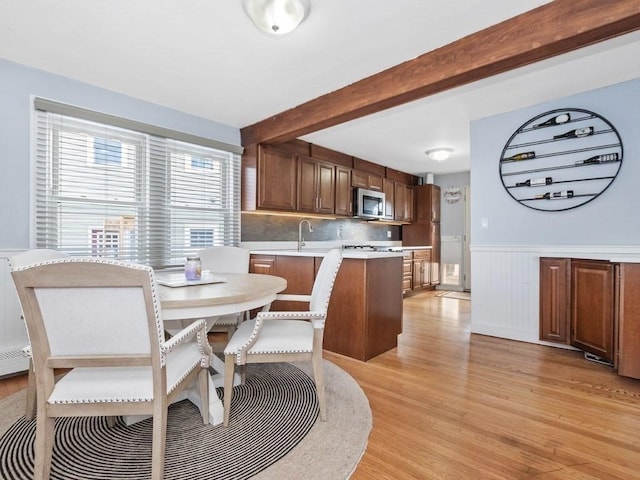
192	268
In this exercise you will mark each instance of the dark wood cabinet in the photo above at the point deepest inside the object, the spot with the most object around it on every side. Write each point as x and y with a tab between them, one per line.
388	187
592	307
421	268
555	294
277	179
407	271
403	202
344	195
367	180
628	315
298	271
365	312
316	186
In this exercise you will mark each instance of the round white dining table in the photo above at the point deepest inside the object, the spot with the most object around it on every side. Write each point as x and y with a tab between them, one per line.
231	293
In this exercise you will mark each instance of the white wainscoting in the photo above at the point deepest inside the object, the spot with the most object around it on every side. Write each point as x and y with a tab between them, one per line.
505	285
13	335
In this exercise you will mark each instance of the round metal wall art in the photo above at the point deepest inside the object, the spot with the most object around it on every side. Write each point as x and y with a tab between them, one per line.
561	159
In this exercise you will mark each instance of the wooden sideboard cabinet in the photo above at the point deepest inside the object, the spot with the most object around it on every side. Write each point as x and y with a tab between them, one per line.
628	316
593	305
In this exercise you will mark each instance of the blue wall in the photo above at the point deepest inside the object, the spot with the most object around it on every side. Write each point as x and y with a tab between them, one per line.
18	86
613	218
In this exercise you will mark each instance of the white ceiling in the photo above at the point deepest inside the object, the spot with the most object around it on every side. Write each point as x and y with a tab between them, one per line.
205	57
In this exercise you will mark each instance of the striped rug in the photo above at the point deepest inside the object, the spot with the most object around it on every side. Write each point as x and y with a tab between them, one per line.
270	414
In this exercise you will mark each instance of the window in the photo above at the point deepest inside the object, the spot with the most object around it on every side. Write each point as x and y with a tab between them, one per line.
109	191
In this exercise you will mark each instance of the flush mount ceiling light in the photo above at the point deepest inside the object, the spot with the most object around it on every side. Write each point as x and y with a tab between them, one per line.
276	17
439	154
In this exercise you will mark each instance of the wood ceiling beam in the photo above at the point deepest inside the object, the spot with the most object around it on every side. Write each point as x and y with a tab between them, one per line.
555	28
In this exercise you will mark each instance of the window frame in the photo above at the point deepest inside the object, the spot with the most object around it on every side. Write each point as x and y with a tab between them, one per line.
157	249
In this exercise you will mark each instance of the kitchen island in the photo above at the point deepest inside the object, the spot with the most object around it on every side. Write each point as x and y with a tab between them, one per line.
365	313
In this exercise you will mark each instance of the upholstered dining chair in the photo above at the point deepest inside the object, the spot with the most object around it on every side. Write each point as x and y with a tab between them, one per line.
20	260
220	260
285	336
101	320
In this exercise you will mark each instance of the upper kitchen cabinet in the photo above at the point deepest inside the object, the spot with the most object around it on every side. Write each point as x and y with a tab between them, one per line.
343	203
399	187
316	186
367	175
269	177
389	189
427	203
344	198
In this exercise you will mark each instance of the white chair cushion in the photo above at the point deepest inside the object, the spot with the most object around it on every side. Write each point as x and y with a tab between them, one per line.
276	336
124	384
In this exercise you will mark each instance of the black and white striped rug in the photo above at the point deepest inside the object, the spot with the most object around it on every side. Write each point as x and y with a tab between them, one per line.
270	414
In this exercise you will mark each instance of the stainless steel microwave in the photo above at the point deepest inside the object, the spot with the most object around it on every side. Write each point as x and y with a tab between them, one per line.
368	204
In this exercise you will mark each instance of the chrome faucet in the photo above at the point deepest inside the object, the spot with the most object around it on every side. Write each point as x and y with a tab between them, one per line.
300	237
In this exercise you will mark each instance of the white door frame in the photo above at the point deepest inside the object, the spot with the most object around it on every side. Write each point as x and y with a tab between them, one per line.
466	241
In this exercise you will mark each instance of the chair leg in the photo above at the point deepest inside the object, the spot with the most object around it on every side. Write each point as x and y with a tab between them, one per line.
30	408
43	446
159	440
203	384
318	375
229	370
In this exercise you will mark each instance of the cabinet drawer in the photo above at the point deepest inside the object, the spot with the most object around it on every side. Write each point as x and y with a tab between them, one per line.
406	268
421	254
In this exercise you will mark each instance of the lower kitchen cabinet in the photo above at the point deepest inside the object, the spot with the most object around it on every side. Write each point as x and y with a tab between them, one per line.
555	299
592	325
628	315
364	317
586	304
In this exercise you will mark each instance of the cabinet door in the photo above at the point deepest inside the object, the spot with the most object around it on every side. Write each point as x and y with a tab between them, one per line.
408	204
375	182
629	320
300	274
400	200
388	187
344	197
434	238
262	264
435	203
316	186
592	307
325	187
276	179
555	299
307	184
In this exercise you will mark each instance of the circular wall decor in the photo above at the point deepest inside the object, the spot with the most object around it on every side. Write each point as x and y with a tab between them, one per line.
452	194
561	159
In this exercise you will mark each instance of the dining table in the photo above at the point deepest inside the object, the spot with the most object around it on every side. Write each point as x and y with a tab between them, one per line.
210	297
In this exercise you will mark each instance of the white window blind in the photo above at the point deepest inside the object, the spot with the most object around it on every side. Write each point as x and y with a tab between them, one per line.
108	191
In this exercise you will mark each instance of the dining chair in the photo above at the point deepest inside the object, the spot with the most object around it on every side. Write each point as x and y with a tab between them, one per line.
285	336
221	260
101	321
20	260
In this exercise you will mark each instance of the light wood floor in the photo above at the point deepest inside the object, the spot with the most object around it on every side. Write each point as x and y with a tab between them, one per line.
450	405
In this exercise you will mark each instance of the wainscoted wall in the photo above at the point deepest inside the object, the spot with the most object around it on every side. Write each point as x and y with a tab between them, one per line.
275	228
505	285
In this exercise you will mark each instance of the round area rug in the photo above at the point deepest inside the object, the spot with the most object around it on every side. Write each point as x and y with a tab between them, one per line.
271	416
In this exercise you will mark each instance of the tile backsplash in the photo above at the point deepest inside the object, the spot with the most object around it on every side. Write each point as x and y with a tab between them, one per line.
261	228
